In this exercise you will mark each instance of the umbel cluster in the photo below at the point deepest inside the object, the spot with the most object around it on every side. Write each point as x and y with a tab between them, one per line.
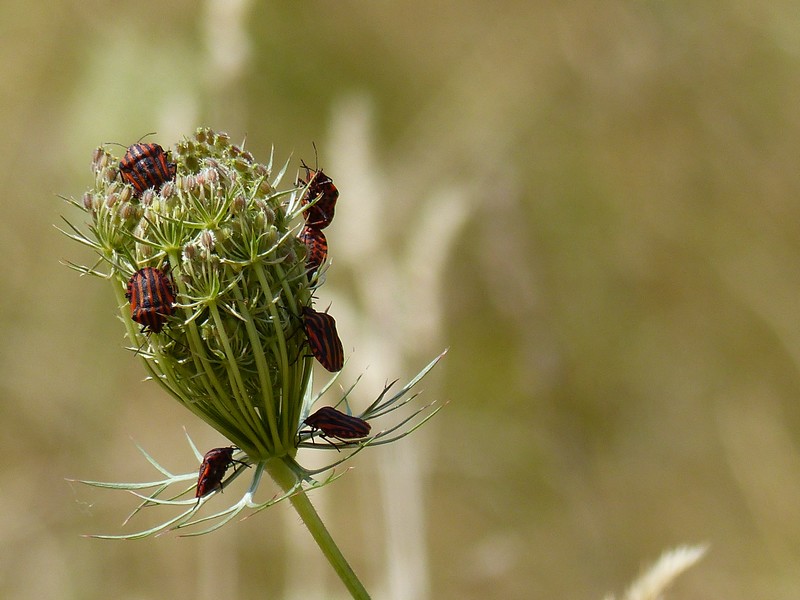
226	314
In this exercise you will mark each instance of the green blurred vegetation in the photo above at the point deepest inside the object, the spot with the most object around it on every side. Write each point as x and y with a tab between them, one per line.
621	303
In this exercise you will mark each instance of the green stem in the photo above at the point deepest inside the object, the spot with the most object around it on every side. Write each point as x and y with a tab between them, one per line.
287	479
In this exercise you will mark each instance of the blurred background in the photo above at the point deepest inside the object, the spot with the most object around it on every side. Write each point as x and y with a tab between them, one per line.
594	205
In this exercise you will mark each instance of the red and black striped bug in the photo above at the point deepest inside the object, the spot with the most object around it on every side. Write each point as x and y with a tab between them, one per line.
319	186
316	248
215	463
323	340
152	298
145	166
333	423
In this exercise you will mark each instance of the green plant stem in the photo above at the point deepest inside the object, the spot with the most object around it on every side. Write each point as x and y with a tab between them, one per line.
287	479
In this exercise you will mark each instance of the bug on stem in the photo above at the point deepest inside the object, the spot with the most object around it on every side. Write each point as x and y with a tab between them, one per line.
316	248
320	186
333	423
213	468
323	339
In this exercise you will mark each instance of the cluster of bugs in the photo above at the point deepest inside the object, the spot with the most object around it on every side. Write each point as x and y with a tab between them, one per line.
150	290
151	294
213	468
320	199
320	328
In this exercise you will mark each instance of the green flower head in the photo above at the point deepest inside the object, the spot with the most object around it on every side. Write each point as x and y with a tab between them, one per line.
231	351
214	270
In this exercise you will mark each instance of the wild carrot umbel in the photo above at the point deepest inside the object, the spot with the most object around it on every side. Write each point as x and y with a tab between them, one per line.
227	342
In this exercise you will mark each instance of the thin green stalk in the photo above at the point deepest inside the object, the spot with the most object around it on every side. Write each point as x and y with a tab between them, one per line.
287	479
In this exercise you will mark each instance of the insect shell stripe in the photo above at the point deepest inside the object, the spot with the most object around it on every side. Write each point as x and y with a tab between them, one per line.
330	337
316	248
159	288
152	298
147	301
147	169
157	171
347	424
137	166
133	155
324	340
151	292
151	171
139	297
137	180
336	417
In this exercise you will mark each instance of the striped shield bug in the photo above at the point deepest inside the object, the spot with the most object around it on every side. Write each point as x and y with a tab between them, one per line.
152	298
316	248
213	468
333	423
323	340
321	187
145	166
